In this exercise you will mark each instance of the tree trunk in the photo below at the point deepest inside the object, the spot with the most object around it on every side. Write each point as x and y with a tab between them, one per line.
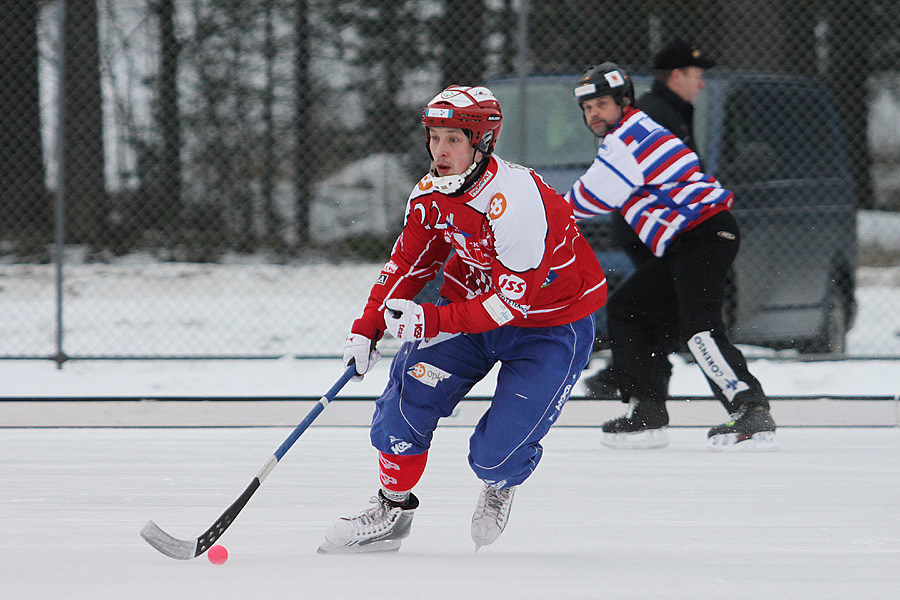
304	149
270	161
169	183
24	202
86	201
463	39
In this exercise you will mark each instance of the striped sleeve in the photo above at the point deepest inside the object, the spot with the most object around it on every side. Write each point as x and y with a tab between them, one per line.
609	182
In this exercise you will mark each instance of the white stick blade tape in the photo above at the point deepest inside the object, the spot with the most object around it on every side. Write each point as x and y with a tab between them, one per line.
168	545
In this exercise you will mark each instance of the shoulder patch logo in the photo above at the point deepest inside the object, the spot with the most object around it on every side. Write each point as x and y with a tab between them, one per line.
497	207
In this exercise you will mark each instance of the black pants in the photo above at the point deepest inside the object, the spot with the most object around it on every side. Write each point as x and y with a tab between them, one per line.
676	300
624	237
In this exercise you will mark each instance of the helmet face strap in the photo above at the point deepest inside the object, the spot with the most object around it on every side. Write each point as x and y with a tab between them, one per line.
450	184
485	146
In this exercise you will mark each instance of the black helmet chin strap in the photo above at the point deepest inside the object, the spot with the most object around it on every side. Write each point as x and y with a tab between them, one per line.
485	144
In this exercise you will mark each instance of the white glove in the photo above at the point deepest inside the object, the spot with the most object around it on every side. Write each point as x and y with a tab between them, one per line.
404	319
361	351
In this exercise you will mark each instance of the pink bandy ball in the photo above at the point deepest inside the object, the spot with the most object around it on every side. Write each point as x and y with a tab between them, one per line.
217	555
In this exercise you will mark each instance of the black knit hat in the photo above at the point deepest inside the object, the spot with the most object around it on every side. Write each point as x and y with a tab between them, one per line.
679	54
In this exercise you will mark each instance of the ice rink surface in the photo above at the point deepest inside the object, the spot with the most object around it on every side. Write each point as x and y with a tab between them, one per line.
818	519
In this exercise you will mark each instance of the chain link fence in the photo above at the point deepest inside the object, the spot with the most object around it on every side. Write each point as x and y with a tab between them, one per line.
208	178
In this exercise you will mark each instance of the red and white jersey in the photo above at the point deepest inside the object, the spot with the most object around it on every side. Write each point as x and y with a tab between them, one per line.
650	176
519	257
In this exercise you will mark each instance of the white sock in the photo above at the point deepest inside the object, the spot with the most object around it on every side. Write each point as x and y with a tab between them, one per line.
398	497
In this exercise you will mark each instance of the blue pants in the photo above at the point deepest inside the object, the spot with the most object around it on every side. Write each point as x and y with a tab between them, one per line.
539	367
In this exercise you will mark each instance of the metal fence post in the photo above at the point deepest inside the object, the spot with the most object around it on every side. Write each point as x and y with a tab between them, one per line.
59	230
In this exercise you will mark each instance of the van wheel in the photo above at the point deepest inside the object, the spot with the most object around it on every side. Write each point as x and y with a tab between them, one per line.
833	337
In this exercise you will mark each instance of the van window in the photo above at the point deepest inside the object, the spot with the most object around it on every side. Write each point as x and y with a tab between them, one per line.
778	132
554	129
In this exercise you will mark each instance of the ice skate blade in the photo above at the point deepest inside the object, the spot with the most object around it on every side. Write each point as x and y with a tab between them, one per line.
764	441
639	440
483	536
327	547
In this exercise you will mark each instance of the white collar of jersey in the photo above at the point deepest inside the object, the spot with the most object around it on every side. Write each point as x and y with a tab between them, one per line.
451	183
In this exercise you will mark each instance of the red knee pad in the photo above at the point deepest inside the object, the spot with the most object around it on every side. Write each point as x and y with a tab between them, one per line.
400	473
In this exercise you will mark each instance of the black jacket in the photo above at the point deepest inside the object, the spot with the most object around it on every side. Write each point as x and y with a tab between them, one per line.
669	110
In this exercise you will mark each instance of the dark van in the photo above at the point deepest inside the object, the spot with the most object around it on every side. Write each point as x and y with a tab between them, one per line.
776	141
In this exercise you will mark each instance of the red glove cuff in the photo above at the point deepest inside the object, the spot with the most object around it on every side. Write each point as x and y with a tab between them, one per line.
363	326
432	320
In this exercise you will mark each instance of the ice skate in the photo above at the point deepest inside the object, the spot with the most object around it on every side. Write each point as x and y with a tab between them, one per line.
377	529
644	426
491	514
752	429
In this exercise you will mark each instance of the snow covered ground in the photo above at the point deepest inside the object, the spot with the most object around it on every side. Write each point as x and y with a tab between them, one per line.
138	306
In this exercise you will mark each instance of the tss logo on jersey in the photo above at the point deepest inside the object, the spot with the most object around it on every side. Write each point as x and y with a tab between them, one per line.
512	287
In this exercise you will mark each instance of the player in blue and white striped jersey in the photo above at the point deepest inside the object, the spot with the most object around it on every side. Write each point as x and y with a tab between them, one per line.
683	216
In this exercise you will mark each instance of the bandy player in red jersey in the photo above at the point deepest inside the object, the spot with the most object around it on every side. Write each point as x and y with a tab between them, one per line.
520	289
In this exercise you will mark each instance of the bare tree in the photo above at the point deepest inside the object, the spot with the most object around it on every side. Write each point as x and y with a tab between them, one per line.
385	47
169	174
304	148
24	202
463	60
86	201
269	165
